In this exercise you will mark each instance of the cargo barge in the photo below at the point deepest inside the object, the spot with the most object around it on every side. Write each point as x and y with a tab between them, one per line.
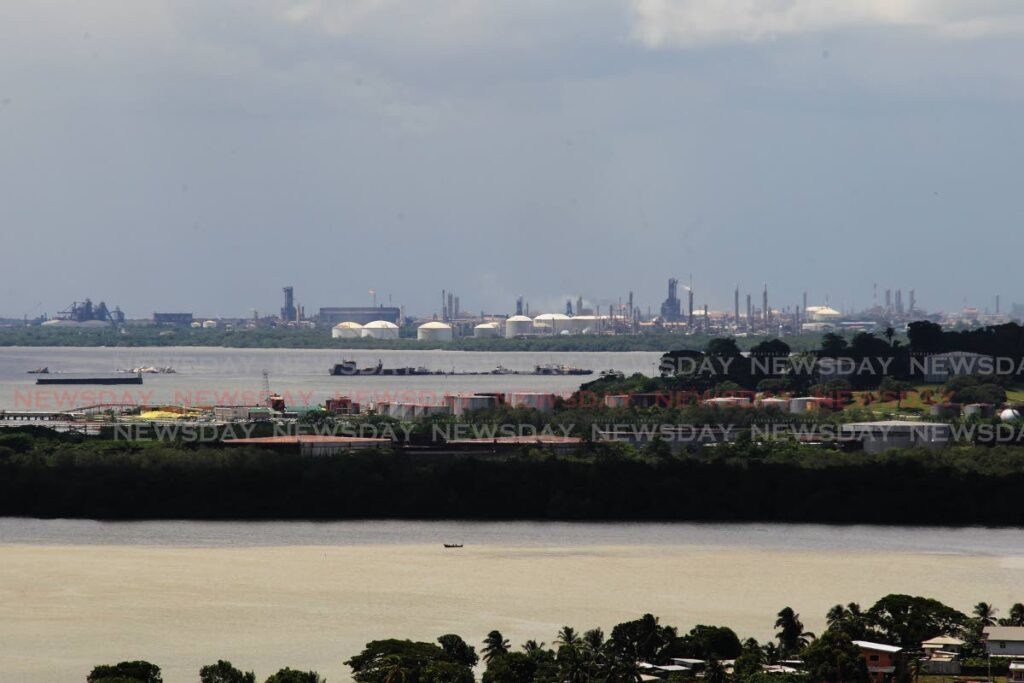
349	368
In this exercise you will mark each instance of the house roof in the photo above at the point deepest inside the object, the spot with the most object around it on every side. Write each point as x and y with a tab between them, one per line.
880	647
942	640
1004	632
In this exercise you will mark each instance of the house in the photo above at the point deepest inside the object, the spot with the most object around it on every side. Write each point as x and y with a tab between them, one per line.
1016	672
942	656
881	659
1004	641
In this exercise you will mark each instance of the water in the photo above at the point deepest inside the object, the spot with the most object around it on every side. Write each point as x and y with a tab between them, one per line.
266	595
218	376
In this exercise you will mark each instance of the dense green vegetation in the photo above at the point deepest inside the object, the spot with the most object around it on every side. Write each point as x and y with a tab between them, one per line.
48	475
625	653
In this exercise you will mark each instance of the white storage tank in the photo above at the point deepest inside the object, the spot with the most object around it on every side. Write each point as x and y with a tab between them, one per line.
805	404
346	330
461	404
487	330
209	324
1009	415
552	323
380	329
781	404
518	326
434	331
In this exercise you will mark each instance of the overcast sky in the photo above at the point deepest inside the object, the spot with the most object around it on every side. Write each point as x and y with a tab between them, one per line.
198	156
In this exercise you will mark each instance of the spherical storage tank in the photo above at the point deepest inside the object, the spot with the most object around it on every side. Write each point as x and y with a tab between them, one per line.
380	329
486	330
518	325
1009	415
434	331
346	330
552	323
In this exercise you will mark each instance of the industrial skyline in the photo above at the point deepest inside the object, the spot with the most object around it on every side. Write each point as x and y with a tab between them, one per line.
158	155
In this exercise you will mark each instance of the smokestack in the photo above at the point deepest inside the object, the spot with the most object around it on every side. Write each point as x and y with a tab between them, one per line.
913	301
736	305
764	304
805	300
750	312
689	295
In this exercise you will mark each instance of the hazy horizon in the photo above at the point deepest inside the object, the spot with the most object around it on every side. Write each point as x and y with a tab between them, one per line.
199	156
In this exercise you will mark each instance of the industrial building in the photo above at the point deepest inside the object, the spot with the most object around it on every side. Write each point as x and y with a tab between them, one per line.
331	316
172	318
487	330
518	326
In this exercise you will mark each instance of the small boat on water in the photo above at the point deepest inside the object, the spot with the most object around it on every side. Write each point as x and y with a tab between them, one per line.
40	371
452	545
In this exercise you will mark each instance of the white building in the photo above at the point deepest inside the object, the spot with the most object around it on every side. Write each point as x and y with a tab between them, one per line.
518	326
1004	641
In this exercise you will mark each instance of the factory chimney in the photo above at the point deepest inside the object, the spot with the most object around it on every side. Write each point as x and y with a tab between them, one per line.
736	305
764	305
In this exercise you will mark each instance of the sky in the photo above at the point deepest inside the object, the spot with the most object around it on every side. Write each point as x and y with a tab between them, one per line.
195	155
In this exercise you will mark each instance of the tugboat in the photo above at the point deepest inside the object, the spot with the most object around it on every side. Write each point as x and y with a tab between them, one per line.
40	371
452	545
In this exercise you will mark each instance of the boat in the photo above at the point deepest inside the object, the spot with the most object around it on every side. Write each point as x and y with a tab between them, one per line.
452	545
348	368
149	370
90	379
40	371
557	369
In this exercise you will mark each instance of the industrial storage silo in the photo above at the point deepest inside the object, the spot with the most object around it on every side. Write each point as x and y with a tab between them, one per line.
518	326
380	329
587	324
346	330
434	331
552	323
487	330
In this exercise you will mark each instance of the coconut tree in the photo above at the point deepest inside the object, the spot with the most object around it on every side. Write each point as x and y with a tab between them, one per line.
568	637
791	635
985	613
531	646
495	645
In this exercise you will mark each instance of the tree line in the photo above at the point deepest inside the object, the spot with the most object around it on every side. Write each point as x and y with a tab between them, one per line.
717	653
44	474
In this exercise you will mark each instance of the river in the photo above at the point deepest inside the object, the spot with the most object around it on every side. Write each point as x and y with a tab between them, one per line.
219	376
268	595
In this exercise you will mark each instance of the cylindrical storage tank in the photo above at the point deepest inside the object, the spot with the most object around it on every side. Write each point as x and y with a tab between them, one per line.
979	409
402	411
195	324
616	401
462	404
487	330
380	329
434	331
208	324
346	330
945	410
424	410
552	323
1009	415
542	402
518	326
781	404
804	404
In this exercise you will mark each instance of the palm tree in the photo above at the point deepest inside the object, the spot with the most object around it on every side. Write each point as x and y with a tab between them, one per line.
986	613
568	637
594	639
889	334
531	646
495	645
791	634
771	653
